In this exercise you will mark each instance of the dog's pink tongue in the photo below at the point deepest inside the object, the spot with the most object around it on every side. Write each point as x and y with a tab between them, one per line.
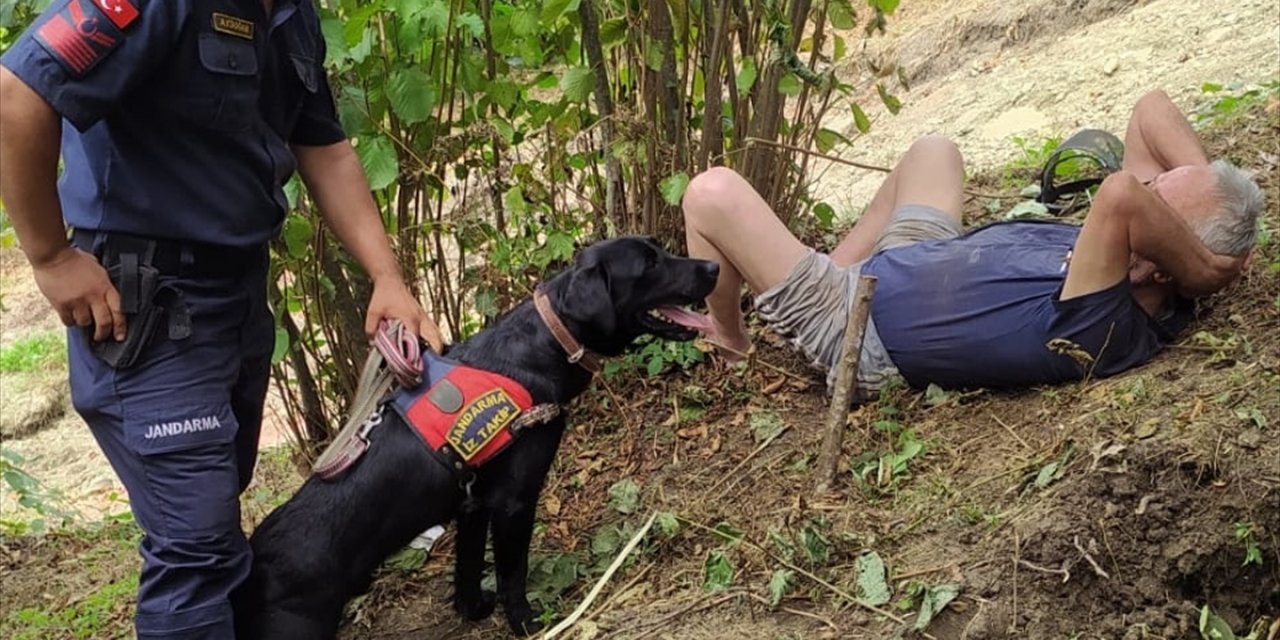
686	318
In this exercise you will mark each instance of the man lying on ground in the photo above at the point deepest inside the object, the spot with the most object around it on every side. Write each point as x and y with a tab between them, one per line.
979	308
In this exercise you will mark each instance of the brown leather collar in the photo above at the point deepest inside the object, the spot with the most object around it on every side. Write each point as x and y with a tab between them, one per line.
578	354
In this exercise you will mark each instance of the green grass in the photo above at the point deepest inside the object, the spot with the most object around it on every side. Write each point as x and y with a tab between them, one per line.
101	551
33	353
92	617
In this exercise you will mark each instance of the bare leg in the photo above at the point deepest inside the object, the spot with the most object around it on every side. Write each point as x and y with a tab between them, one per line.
727	221
930	173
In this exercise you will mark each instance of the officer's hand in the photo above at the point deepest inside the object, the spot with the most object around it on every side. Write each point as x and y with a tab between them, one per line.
82	294
391	300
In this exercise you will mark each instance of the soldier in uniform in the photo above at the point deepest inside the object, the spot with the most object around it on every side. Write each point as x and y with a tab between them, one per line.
178	123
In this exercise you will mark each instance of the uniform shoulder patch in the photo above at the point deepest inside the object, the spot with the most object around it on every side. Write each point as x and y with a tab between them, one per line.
119	12
79	35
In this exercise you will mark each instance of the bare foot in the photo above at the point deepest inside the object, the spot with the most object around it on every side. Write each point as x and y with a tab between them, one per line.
731	345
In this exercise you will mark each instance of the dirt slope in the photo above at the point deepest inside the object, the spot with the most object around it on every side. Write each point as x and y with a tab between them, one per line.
982	71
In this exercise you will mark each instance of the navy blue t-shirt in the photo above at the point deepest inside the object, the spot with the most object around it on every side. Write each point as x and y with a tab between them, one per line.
980	311
182	111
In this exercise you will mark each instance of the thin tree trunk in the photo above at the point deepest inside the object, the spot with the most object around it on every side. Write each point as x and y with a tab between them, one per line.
614	199
712	131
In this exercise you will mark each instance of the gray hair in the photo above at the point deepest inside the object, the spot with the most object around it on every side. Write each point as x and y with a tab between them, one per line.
1233	229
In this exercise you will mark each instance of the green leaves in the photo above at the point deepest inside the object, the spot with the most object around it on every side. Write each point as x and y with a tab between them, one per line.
624	496
825	214
746	76
411	94
297	235
936	598
378	157
872	586
577	84
718	571
613	32
892	103
885	6
827	139
673	187
779	584
841	14
513	200
1051	472
1213	627
667	523
765	424
729	533
553	9
860	119
789	85
560	245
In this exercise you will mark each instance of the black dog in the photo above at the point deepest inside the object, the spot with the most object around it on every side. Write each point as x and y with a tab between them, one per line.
319	549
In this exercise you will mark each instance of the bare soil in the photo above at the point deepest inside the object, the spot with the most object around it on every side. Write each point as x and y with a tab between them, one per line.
1134	532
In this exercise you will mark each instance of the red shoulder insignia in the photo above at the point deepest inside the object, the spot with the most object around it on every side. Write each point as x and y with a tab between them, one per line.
120	12
78	37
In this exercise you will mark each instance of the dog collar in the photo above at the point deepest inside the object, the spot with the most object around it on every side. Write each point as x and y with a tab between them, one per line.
578	354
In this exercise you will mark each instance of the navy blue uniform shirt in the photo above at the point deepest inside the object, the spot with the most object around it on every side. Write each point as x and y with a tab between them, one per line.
980	311
182	111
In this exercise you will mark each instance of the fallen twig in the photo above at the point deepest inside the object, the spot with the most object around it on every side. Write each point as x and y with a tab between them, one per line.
1066	575
693	606
1010	430
757	450
924	572
604	579
765	601
830	587
751	357
1096	569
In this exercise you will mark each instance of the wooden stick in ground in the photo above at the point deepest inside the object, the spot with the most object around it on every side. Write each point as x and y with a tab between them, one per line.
846	378
604	579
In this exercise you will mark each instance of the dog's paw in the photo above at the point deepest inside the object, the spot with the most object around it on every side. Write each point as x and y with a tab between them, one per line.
477	608
524	625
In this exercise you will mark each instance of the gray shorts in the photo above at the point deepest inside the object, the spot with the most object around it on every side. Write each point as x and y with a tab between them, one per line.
811	305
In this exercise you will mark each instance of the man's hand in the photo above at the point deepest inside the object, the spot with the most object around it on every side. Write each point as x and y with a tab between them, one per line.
82	294
391	300
1222	271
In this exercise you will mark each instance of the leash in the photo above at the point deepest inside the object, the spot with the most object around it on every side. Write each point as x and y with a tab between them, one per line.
399	351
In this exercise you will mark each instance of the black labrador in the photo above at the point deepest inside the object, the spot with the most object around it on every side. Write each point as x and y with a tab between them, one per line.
321	547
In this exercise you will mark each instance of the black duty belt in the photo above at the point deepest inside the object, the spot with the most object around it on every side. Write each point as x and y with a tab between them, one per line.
173	257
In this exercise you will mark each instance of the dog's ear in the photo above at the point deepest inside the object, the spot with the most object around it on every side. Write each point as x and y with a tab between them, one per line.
589	299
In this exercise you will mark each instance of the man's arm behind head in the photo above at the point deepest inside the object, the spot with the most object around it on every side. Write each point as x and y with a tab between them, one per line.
1129	219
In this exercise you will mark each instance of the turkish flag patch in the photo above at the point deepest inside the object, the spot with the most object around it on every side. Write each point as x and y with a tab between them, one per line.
79	35
119	12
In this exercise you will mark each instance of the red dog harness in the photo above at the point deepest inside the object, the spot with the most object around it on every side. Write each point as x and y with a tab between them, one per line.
464	415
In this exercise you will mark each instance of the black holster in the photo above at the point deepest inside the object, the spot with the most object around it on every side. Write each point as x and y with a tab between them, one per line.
145	302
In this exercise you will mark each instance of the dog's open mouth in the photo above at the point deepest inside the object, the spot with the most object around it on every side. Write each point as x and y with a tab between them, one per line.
676	323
